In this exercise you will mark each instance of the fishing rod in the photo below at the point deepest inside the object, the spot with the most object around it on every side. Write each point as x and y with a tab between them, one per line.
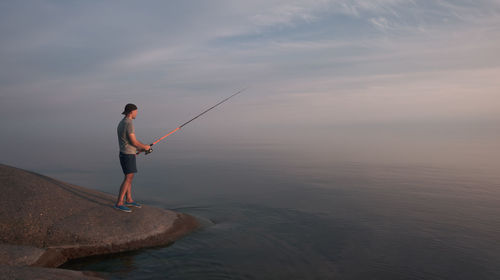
182	125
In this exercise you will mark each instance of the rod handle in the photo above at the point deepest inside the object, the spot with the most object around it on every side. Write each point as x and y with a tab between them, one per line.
150	150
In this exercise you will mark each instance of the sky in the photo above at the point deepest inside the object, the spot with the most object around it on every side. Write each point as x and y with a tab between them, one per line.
67	68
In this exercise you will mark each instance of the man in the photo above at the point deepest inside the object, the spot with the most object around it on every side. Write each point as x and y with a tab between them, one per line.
129	145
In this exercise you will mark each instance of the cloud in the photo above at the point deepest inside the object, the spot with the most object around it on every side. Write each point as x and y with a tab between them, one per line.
111	51
284	14
381	23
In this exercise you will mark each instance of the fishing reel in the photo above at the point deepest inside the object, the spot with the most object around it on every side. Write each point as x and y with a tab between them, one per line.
149	151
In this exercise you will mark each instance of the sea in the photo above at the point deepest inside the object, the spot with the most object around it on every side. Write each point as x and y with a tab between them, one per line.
391	201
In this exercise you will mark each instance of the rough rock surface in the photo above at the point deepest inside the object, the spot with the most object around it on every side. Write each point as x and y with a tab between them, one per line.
54	221
40	273
19	255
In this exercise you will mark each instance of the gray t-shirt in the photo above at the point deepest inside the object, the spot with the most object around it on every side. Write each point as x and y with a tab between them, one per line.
125	127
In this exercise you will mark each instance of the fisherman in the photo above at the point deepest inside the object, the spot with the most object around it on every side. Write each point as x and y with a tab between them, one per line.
129	146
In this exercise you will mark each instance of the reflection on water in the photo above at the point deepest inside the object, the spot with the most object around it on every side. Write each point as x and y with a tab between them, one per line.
346	222
246	242
347	203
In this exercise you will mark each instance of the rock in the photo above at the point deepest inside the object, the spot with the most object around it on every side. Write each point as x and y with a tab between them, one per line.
19	255
39	273
51	221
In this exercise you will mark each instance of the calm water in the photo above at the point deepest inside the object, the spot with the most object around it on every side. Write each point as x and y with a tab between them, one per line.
318	210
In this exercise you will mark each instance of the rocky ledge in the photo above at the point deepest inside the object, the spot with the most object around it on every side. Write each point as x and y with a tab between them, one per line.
45	222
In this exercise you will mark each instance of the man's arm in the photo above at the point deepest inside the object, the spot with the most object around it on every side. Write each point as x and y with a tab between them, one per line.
140	146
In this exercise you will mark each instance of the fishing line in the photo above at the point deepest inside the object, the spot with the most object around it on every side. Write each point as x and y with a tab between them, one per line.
182	125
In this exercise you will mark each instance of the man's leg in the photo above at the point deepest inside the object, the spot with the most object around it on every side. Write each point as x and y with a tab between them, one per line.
125	188
128	191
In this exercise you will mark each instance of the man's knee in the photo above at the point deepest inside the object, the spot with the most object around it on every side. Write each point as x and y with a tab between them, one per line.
129	177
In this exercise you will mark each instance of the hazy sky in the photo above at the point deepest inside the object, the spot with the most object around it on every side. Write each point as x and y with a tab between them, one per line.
67	68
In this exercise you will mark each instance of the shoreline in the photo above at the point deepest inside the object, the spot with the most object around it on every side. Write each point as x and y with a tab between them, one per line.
47	222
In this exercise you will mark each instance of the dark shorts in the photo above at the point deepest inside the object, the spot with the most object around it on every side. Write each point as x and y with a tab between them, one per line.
128	163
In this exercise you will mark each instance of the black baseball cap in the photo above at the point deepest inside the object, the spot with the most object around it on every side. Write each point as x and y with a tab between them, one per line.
129	108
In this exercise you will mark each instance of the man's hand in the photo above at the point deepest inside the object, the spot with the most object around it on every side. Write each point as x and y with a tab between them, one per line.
140	146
